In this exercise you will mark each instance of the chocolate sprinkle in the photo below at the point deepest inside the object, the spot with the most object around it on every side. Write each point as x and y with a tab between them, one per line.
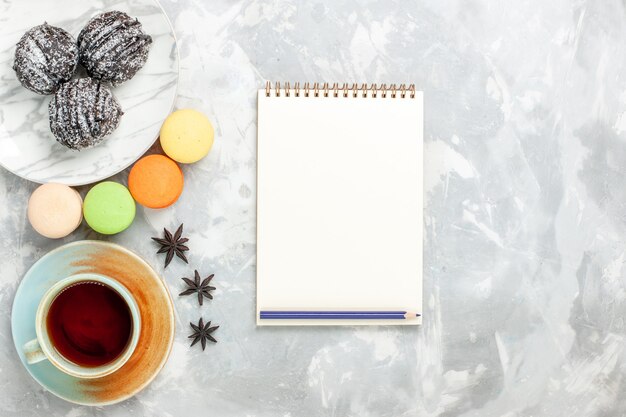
45	57
113	47
82	112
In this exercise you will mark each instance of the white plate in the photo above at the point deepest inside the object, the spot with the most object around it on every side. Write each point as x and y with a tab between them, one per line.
28	148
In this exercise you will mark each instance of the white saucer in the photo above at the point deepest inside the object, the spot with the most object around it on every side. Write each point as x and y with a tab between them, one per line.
28	148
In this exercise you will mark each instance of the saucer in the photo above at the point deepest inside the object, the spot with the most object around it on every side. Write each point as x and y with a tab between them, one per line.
155	307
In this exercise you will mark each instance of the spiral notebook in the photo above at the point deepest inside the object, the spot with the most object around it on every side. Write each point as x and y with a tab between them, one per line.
339	202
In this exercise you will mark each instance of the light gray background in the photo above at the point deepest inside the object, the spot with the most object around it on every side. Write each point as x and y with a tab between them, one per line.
525	131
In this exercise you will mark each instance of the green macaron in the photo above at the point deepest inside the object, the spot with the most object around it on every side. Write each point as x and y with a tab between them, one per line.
109	208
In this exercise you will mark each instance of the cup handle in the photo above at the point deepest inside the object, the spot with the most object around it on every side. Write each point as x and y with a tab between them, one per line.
33	352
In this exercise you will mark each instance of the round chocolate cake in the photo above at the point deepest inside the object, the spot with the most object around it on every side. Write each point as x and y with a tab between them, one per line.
113	47
82	112
45	57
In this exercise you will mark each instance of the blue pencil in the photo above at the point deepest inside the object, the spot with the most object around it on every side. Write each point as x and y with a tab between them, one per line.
337	315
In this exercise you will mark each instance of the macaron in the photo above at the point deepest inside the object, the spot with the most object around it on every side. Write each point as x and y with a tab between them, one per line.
155	181
109	208
186	136
55	210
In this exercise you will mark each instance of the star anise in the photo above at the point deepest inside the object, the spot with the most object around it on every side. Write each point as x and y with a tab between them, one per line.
173	245
203	289
202	333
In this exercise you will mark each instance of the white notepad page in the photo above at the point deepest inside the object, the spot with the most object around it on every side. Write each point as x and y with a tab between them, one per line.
339	205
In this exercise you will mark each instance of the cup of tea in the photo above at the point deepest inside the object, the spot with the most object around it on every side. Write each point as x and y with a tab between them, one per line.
87	325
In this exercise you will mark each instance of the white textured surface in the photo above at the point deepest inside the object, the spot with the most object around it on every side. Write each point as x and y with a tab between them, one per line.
524	289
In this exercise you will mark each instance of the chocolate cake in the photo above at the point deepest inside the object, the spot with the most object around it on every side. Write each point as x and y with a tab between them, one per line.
113	47
45	57
82	112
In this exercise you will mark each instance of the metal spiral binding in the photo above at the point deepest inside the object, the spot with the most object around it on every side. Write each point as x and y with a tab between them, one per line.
327	90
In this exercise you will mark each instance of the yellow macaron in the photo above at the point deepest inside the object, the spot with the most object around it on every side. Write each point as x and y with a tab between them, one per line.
186	136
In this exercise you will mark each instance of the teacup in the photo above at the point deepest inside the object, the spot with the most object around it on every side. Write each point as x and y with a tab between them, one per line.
87	325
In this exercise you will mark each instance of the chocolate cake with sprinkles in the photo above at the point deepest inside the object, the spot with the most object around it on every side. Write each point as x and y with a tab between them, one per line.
82	112
113	47
45	57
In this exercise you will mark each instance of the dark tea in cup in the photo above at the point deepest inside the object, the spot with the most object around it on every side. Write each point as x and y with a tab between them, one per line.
89	324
